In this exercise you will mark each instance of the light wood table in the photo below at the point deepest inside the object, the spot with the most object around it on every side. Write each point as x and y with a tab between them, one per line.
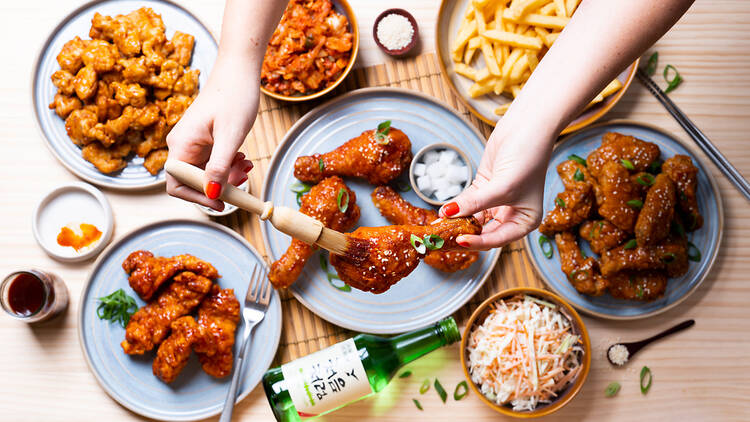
701	374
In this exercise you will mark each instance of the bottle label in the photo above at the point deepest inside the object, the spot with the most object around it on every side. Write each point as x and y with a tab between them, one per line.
326	379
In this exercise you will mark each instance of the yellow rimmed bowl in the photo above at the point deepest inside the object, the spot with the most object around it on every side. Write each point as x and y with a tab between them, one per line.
343	7
578	328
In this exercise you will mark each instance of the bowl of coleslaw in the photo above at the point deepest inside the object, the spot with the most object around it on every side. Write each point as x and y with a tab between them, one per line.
525	352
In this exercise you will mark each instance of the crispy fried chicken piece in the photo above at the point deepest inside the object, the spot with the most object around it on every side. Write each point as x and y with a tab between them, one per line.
85	83
670	256
154	137
655	217
398	211
378	161
135	69
218	316
149	325
187	84
147	272
573	173
129	94
582	273
106	160
169	72
118	30
646	180
182	46
572	206
106	106
70	57
601	235
684	174
63	81
155	160
615	190
174	107
381	256
174	351
321	203
100	55
616	147
638	285
65	104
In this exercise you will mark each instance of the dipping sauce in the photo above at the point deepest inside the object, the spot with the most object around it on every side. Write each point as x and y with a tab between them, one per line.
26	294
33	295
89	234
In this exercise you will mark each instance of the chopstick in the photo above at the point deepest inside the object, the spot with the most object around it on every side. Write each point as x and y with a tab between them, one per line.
699	137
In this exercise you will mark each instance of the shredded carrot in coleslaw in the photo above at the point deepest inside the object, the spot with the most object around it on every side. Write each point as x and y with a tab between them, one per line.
524	353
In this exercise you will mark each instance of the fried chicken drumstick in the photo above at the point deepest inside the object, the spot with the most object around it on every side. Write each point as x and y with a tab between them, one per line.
381	256
398	211
148	272
376	156
320	203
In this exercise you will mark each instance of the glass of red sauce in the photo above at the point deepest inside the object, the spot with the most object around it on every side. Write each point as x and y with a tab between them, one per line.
33	295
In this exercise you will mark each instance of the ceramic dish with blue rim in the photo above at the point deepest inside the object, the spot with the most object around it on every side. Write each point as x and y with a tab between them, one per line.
424	296
52	127
129	379
707	239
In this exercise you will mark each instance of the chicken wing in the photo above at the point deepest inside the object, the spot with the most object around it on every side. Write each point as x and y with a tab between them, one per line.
174	351
670	256
602	235
572	206
147	272
106	160
218	316
582	273
381	256
656	215
616	147
637	285
615	192
150	324
377	160
684	174
398	211
321	203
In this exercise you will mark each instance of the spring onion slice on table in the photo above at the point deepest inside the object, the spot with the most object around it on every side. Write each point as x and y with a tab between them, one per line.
524	353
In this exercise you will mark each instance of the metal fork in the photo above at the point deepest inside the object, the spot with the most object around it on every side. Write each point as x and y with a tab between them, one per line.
256	302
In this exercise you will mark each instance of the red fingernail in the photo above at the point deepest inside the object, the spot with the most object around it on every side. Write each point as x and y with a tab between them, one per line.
450	209
248	168
462	243
244	179
213	189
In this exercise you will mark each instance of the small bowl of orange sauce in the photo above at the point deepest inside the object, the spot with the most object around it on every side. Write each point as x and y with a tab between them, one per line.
73	222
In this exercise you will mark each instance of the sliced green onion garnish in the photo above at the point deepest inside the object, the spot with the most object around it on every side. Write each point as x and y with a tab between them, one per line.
440	390
321	165
344	288
418	244
627	164
433	242
567	342
677	228
645	372
116	307
405	374
299	187
596	230
323	262
382	132
299	198
546	246
577	159
651	66
463	387
654	167
668	257
635	203
560	202
695	256
639	291
583	253
612	389
342	200
403	186
675	81
693	220
424	387
540	301
578	176
645	179
632	243
416	403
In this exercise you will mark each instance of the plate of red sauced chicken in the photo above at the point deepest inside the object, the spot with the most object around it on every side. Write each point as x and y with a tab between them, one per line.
632	221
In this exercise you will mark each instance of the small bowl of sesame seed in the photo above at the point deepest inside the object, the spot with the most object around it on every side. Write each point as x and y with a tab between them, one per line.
396	32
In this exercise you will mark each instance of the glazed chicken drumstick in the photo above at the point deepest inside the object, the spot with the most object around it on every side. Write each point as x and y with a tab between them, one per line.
381	256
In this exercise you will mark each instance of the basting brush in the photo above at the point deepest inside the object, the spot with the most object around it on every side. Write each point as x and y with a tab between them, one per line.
284	219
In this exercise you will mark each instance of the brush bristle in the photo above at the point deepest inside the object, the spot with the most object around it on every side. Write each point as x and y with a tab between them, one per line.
340	244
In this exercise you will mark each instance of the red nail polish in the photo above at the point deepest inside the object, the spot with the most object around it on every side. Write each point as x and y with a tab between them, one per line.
450	209
248	168
463	243
244	179
213	190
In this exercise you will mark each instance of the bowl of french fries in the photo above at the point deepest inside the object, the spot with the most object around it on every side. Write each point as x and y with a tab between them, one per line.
488	49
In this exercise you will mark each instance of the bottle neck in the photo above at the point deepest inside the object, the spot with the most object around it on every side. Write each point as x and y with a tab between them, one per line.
413	345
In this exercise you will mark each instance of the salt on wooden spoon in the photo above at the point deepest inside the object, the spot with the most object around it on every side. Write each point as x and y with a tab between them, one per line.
618	354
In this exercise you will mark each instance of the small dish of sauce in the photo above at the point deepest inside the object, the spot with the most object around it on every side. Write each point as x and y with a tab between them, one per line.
33	295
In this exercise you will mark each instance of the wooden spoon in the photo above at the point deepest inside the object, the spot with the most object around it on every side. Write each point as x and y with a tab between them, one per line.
634	347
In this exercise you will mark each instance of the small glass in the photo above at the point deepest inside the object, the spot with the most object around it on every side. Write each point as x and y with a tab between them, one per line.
33	295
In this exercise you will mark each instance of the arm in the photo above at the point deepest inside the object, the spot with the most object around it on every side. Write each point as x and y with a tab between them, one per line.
215	125
602	38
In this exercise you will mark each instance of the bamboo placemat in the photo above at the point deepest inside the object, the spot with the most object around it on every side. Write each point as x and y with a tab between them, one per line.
303	332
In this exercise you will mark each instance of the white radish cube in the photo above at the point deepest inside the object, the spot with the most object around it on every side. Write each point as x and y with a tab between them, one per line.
447	157
442	195
434	170
431	157
424	184
441	184
453	191
420	169
458	174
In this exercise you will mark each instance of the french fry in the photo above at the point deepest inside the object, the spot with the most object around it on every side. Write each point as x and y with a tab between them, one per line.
481	21
532	59
466	71
502	109
514	40
560	6
611	88
489	57
548	9
551	38
518	68
570	6
516	90
482	75
461	39
520	8
471	48
481	88
555	22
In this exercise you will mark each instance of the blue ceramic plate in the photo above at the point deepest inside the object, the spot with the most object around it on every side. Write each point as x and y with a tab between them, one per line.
426	294
129	379
134	176
707	239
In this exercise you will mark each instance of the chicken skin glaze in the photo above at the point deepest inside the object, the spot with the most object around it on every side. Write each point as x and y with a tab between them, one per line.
398	211
377	160
218	316
174	352
684	174
616	147
321	203
148	272
574	204
583	273
381	256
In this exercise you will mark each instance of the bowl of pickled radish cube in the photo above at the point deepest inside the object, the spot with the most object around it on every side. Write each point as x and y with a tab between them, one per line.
439	173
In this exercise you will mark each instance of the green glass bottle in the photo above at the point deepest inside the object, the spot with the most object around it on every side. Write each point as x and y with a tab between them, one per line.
348	371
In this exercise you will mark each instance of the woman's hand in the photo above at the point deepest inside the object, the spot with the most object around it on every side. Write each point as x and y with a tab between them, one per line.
506	196
214	127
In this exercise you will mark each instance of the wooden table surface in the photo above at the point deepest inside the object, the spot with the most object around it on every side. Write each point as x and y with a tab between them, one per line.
700	374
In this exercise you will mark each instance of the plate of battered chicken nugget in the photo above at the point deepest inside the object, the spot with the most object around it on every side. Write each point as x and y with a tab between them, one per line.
346	164
633	221
173	359
111	82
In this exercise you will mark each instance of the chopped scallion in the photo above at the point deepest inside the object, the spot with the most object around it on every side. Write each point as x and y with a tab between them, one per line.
299	187
675	81
627	164
635	203
405	374
424	387
416	403
632	243
645	372
612	389
652	62
645	179
433	242
342	200
578	176
462	389
577	159
560	202
321	165
344	288
440	390
546	246
693	253
382	132
418	244
116	307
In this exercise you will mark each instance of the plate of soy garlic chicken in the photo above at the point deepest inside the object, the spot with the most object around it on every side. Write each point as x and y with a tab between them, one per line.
632	224
346	164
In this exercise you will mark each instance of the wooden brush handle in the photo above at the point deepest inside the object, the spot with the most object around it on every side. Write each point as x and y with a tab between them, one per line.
286	220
